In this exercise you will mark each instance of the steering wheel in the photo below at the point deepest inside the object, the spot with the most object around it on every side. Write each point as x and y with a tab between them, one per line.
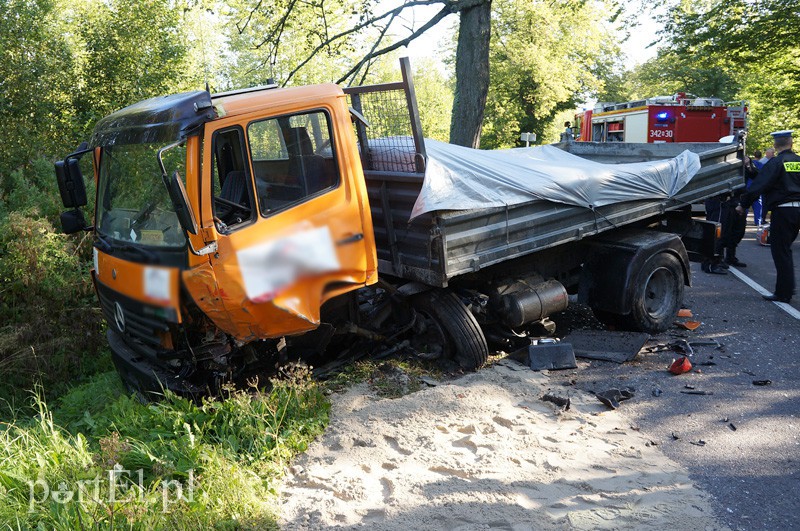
233	204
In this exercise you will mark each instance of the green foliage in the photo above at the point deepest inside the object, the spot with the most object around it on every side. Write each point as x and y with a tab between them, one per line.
392	378
756	44
274	40
223	456
765	91
544	59
34	62
670	72
131	51
63	65
50	326
435	100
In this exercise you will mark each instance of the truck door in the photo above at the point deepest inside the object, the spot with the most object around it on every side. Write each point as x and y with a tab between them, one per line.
291	221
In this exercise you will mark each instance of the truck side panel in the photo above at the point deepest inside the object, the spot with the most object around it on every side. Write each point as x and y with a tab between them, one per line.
435	250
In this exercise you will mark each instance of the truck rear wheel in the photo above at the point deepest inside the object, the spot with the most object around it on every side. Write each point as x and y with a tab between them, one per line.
658	294
656	297
465	342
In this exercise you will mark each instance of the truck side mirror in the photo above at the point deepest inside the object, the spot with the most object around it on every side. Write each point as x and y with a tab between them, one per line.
70	183
72	221
177	193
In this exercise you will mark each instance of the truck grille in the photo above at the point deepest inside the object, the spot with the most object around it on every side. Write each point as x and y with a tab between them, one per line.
139	324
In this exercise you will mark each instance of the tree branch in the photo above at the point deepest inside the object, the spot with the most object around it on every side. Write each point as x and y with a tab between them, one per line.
249	17
404	42
370	21
375	46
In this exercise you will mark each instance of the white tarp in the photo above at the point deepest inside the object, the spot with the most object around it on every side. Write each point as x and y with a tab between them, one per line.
459	178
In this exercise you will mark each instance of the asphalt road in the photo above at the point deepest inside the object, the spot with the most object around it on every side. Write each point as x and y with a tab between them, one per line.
741	443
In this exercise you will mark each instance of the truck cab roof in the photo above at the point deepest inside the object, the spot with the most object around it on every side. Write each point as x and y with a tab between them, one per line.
172	118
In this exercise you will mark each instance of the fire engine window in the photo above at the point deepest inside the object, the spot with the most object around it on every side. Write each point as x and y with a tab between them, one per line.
293	159
233	193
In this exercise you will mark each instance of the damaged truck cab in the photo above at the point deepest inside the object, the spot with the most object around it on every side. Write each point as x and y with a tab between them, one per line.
236	231
221	221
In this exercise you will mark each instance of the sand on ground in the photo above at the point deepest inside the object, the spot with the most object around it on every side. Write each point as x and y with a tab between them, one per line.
484	452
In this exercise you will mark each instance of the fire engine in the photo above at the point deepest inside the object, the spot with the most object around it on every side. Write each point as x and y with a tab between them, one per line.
678	118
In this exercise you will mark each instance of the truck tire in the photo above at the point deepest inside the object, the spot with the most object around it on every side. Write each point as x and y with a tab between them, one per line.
658	294
467	344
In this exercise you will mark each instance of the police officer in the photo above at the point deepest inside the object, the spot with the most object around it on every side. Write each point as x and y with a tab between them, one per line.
779	183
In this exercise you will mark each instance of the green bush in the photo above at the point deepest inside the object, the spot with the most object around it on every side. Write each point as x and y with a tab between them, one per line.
51	326
32	188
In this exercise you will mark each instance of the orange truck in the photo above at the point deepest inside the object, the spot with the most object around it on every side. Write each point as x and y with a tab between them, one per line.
236	231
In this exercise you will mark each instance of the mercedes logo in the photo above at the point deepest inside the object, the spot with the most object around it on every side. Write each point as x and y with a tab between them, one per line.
119	317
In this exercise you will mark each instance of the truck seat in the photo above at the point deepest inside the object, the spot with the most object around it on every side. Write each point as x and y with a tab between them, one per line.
306	167
234	189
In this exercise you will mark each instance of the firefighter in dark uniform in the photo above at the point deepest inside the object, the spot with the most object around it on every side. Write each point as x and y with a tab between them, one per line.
779	183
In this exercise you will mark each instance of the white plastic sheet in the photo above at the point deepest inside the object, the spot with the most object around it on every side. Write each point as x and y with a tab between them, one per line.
459	178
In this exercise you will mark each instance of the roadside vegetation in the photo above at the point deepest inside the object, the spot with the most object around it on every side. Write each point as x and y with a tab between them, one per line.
101	458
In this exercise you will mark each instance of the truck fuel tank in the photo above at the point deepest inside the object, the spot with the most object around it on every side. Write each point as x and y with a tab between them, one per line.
524	301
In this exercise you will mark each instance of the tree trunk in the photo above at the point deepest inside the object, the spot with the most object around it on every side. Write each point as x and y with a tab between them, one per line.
472	75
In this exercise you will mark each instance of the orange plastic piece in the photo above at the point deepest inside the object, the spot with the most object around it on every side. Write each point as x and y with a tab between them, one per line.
684	312
680	365
691	325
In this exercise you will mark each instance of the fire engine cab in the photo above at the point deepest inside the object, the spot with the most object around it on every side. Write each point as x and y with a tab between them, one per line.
678	118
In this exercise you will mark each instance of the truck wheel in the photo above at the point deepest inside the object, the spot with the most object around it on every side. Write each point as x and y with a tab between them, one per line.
658	294
464	341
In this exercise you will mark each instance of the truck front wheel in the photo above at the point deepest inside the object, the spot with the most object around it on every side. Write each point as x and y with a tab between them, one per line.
466	343
658	294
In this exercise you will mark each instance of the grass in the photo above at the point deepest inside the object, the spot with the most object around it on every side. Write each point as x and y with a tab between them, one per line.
175	464
391	378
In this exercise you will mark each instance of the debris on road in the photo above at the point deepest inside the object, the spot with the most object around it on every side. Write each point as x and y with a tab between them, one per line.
613	397
430	382
547	354
605	345
680	365
706	343
557	400
681	346
700	442
762	382
698	392
690	325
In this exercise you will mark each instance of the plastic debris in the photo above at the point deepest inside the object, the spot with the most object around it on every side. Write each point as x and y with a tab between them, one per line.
762	382
684	312
698	392
613	397
430	382
700	442
681	346
557	400
690	325
680	365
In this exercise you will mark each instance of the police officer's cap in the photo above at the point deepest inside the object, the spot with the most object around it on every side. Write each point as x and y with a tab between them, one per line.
787	133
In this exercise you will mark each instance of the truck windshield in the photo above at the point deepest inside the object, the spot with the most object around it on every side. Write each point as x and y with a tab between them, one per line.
133	203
